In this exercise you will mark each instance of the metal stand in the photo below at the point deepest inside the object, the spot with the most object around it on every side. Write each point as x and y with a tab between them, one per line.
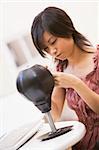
55	132
50	121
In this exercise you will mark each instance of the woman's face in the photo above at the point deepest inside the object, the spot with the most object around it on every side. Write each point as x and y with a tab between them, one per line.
57	47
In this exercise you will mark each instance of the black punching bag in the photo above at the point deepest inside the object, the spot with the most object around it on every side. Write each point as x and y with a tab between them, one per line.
36	83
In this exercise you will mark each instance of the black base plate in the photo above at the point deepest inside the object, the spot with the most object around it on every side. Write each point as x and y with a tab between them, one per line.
51	135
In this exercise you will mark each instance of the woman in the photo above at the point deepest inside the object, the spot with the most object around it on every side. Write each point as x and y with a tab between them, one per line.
77	70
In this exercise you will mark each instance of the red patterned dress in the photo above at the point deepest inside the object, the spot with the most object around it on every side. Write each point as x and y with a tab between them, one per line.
89	118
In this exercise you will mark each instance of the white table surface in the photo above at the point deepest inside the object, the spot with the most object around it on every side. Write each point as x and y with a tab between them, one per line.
62	142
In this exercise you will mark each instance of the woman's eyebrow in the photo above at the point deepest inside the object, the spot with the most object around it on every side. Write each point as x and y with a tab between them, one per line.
50	39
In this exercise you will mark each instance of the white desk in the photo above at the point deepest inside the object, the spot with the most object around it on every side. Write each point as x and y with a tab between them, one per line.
62	142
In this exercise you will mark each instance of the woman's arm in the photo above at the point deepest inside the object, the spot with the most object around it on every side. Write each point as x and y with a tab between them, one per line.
58	97
89	96
70	81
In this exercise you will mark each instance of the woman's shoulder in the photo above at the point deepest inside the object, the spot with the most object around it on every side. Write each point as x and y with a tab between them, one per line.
94	75
96	57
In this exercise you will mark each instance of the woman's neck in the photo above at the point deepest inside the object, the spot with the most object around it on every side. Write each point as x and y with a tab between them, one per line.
78	55
79	63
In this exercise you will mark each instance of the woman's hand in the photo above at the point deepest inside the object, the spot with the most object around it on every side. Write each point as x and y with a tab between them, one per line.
65	80
70	81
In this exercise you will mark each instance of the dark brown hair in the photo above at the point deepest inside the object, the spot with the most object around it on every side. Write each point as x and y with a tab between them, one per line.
58	23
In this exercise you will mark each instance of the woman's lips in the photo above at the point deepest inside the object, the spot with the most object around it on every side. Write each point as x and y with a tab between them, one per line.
58	55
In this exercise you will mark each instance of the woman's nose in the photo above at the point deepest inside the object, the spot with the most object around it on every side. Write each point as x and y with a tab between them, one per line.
53	51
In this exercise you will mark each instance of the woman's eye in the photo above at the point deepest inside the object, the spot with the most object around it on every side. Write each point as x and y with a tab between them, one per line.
46	49
54	41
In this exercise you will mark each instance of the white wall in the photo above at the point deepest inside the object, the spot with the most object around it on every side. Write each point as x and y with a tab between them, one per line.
16	17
